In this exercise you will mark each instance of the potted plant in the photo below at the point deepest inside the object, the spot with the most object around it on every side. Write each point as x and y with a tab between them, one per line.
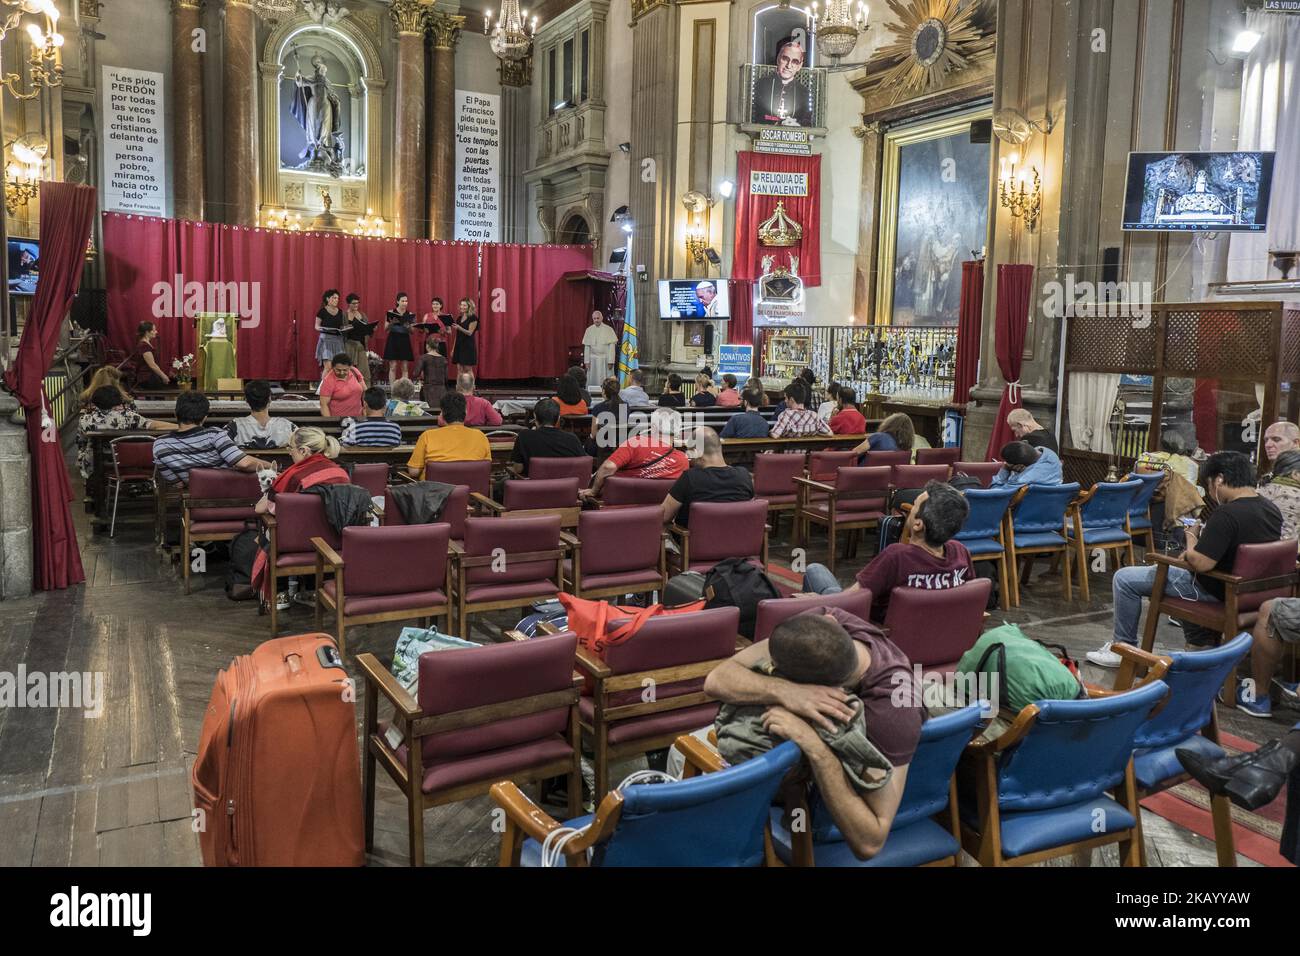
184	368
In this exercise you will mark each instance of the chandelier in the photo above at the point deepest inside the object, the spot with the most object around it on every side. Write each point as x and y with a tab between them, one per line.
838	27
44	62
23	172
370	226
512	38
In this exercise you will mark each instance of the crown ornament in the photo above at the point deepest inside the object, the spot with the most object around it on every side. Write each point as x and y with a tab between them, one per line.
779	229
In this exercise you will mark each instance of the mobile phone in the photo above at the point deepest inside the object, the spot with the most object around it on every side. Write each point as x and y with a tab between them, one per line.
1188	522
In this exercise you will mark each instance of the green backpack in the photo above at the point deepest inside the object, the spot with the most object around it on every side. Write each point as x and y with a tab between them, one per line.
1027	670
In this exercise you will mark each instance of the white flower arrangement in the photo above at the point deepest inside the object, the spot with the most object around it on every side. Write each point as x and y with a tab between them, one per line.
183	366
374	359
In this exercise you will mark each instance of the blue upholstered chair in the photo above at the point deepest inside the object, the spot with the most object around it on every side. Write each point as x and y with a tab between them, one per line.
984	532
719	819
1140	524
1038	527
1099	520
1188	720
916	837
1040	789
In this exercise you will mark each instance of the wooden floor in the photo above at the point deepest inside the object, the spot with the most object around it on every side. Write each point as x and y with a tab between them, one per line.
113	790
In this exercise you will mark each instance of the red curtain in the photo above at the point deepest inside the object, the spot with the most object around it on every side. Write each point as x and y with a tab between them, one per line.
283	274
1015	284
530	314
67	212
969	329
740	330
751	211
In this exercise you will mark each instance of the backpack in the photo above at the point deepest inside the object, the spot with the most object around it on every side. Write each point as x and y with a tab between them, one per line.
239	572
736	582
1027	670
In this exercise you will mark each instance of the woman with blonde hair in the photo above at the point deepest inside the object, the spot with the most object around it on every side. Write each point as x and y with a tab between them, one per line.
313	453
106	375
894	434
465	352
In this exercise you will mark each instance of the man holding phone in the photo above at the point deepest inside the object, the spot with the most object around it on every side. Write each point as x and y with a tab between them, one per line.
1243	517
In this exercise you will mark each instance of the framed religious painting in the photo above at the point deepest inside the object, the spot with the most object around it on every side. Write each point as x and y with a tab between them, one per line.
934	204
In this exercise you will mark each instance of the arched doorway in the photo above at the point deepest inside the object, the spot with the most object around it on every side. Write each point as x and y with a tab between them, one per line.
575	231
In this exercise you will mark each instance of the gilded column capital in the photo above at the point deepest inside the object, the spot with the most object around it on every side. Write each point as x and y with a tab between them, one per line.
409	16
445	28
516	72
641	7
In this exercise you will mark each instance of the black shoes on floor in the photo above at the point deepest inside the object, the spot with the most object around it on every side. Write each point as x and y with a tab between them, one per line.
1250	780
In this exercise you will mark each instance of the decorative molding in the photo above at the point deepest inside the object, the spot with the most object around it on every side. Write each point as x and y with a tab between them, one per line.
409	17
351	198
368	19
445	28
516	72
293	192
641	7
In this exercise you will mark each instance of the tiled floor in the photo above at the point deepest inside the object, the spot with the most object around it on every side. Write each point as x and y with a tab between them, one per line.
114	790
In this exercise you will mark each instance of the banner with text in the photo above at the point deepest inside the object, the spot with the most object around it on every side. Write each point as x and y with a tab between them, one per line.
478	166
135	154
763	180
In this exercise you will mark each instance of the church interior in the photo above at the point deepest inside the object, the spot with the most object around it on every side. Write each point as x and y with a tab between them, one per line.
575	385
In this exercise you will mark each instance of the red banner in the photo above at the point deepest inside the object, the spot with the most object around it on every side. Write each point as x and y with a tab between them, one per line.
791	175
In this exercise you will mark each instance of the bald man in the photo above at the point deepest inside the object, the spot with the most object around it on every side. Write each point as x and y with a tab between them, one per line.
709	478
1026	429
1280	437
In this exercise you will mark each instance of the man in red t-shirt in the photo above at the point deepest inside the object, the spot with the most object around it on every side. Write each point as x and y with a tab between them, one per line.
930	561
847	420
649	455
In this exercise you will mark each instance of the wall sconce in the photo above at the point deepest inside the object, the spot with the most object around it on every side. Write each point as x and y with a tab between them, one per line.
697	208
371	226
280	219
23	171
1015	194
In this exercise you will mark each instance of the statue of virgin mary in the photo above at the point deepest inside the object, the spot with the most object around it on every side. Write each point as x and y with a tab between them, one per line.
317	110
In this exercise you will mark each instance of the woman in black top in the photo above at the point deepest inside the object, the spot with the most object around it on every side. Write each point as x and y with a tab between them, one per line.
672	396
465	352
329	326
705	396
397	350
356	330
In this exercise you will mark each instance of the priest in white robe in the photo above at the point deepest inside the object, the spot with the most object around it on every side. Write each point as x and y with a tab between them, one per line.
598	347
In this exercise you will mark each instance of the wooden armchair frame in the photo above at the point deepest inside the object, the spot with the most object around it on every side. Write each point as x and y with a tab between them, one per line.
494	509
189	537
805	515
1074	516
574	584
409	774
1015	552
682	537
463	562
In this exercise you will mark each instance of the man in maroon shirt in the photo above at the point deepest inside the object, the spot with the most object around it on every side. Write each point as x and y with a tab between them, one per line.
930	561
794	709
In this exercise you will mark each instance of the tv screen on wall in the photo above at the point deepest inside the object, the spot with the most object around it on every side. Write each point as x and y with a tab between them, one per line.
24	266
1198	192
694	299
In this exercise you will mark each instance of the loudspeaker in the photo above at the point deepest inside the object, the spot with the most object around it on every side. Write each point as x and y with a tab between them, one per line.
981	131
708	338
616	256
1110	264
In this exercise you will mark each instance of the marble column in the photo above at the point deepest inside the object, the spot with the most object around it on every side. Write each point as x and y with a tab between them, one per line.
408	153
239	153
516	77
187	111
442	140
15	505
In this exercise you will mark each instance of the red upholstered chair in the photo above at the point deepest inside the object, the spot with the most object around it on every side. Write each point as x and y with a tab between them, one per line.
773	611
476	474
877	459
484	714
822	465
937	456
579	467
214	508
534	496
384	574
617	551
774	475
132	465
855	501
297	520
676	652
372	476
983	470
617	491
454	511
935	628
1259	572
721	530
506	562
916	476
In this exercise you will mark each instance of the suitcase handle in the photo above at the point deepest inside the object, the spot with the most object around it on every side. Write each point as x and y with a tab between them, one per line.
328	655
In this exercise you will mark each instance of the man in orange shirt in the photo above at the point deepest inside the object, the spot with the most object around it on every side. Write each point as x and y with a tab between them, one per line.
450	442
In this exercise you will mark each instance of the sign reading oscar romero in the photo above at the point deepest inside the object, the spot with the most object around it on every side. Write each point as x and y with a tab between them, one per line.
478	166
763	183
135	170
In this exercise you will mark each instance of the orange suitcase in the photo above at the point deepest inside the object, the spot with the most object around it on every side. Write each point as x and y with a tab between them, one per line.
276	780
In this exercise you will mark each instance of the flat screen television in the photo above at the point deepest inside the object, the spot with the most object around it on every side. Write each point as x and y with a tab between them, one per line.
694	299
1198	192
24	266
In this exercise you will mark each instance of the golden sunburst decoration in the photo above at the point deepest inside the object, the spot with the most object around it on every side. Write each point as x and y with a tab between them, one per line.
933	39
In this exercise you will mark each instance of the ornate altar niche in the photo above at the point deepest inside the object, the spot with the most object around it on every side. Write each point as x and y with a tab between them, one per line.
321	71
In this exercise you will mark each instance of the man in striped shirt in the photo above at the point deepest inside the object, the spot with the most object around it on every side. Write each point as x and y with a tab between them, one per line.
194	445
373	431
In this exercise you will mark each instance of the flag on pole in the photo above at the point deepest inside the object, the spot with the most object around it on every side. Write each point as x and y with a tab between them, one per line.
627	352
